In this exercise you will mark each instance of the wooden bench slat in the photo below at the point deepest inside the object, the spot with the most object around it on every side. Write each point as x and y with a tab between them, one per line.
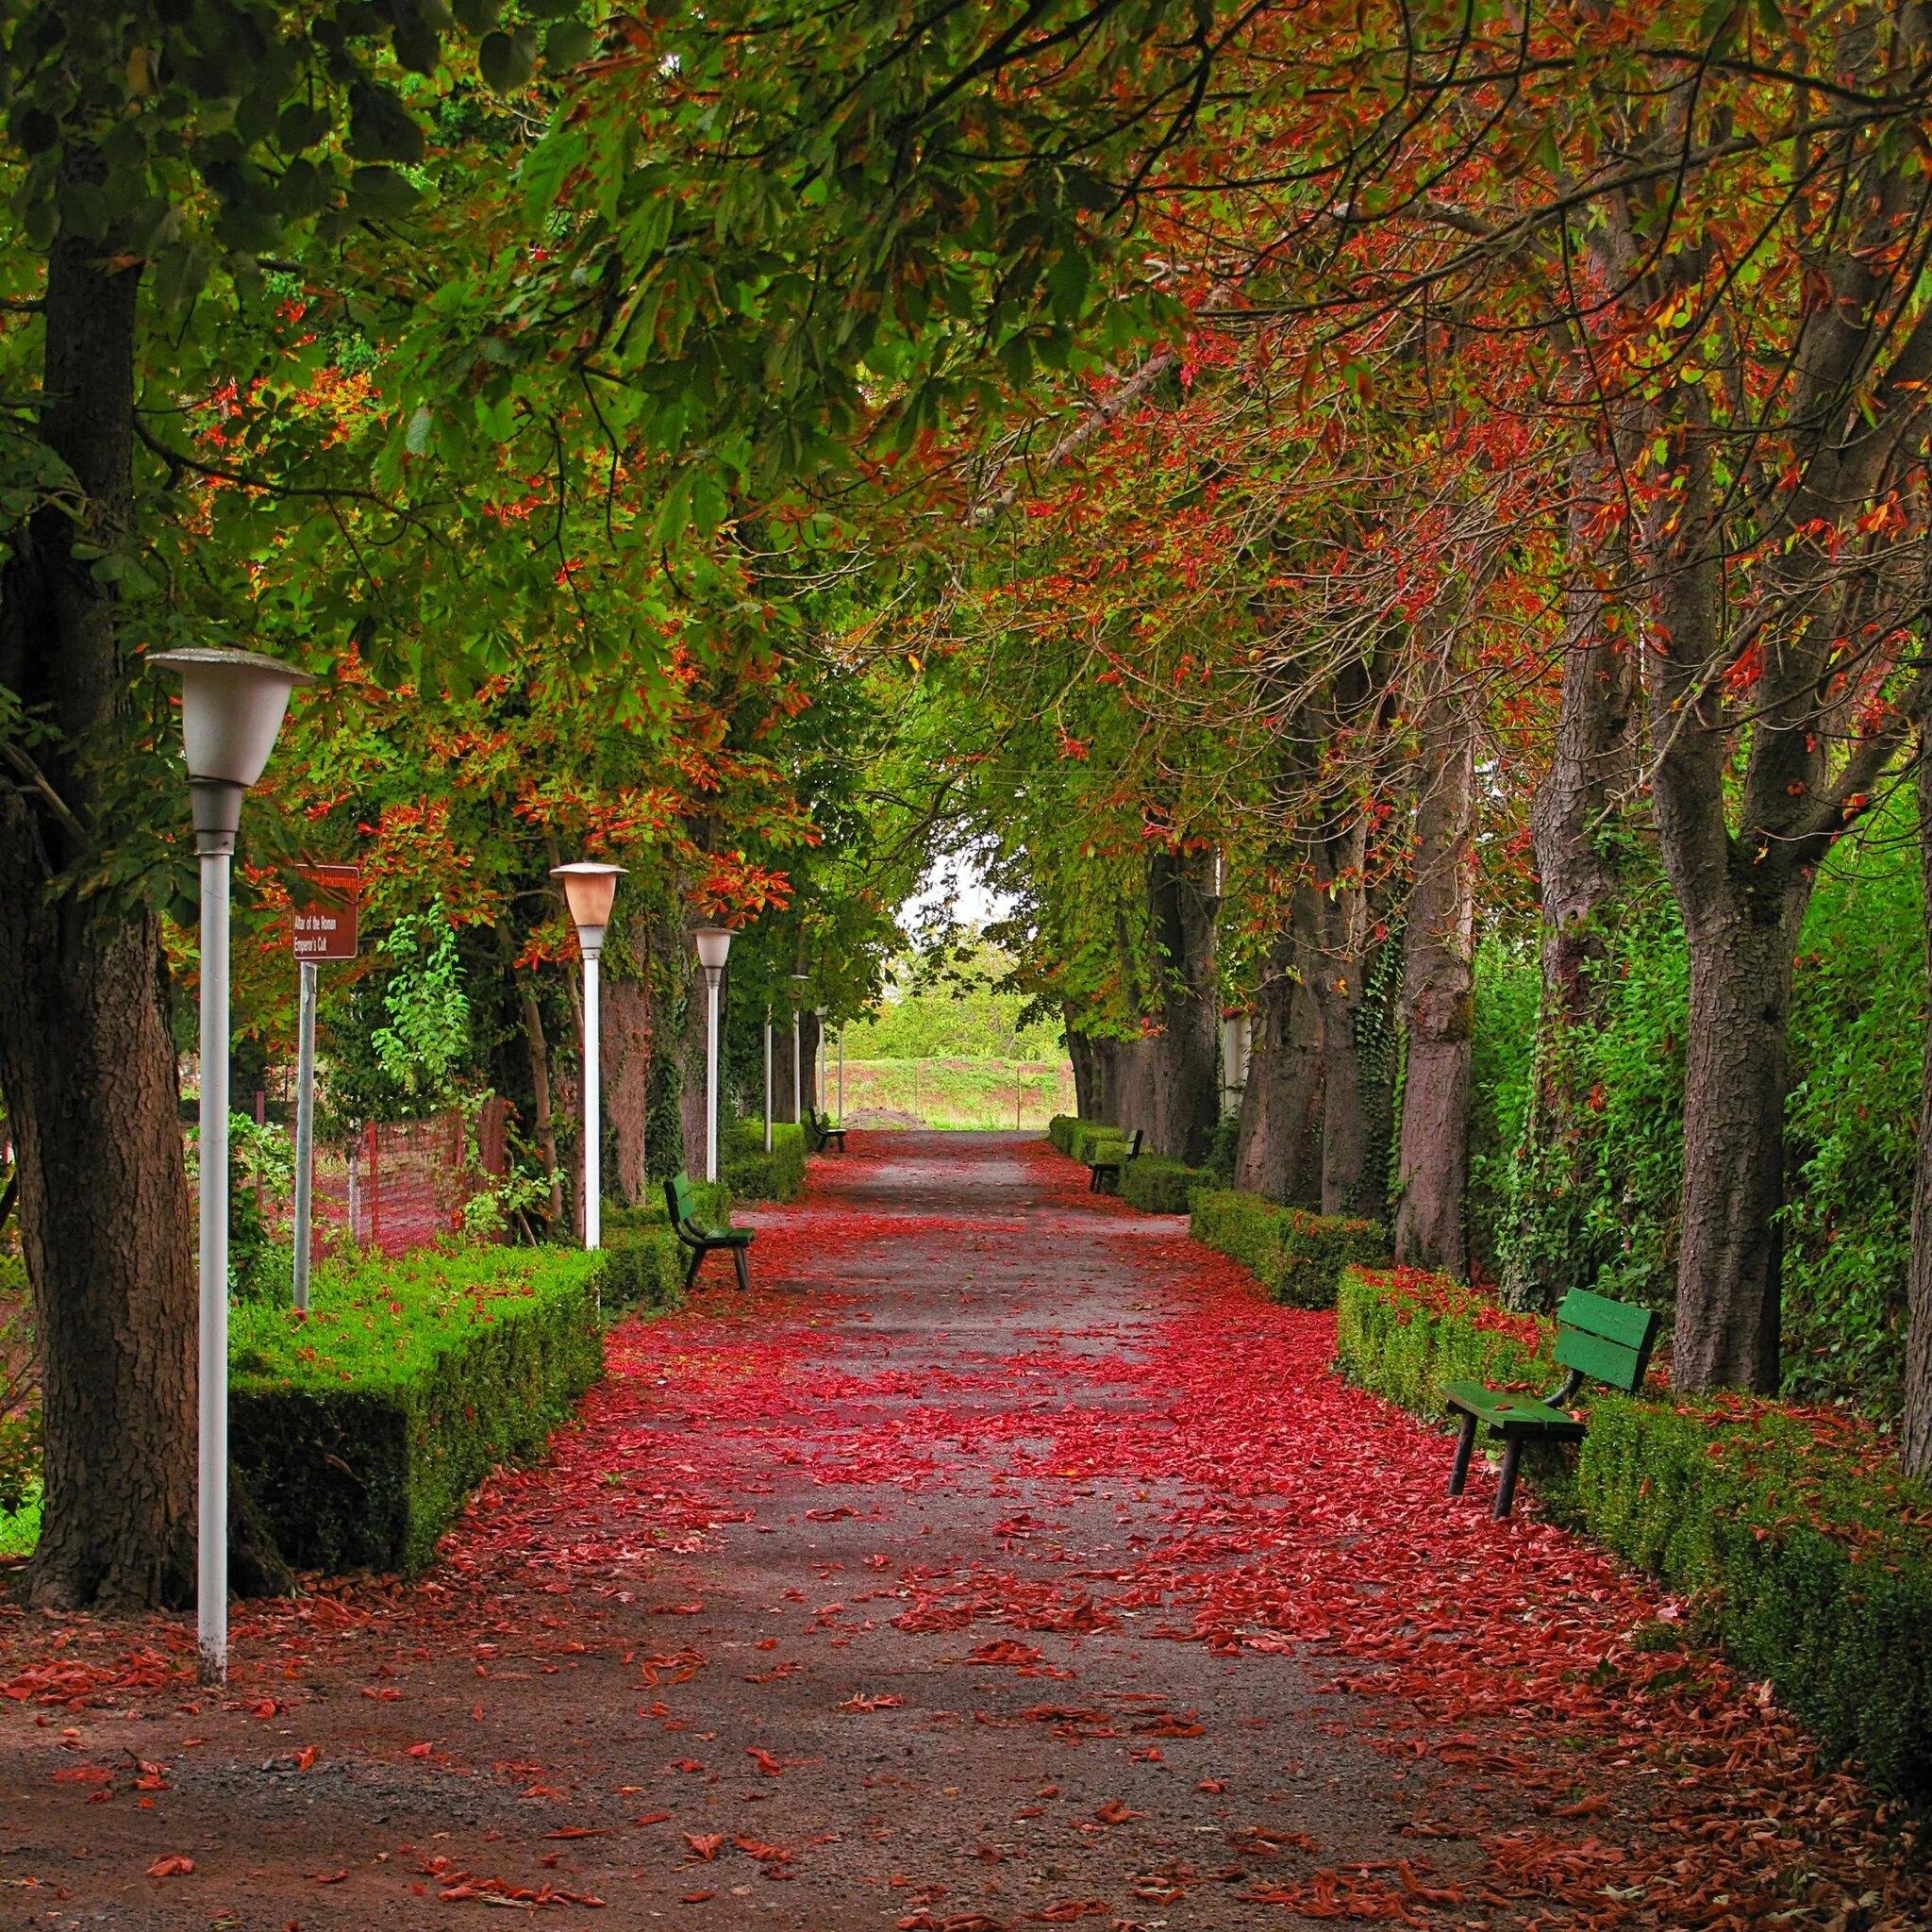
1602	1362
1618	1321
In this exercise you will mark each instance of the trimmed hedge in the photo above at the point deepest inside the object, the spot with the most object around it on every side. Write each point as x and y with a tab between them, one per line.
1060	1130
644	1268
1157	1185
1298	1257
751	1173
1816	1549
361	1427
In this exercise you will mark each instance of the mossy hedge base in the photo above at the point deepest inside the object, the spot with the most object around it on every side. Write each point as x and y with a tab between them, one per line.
1816	1551
751	1173
1157	1185
361	1431
1298	1257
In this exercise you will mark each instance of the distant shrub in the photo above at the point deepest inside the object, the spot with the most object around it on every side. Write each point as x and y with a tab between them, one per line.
1156	1185
751	1173
1298	1257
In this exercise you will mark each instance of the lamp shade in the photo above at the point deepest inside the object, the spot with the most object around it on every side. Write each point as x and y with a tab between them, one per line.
232	706
588	889
714	944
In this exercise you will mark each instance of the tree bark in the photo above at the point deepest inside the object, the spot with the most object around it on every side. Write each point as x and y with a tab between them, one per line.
1915	1427
1280	1103
1086	1075
87	1064
1593	771
1186	1078
544	1121
626	1012
1432	1175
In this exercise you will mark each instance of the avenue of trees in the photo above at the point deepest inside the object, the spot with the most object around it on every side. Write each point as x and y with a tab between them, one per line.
1334	502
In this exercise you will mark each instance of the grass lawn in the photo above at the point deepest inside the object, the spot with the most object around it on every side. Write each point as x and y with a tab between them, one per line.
951	1092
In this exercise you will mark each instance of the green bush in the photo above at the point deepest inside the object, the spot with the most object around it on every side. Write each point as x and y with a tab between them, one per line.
1157	1185
644	1268
713	1200
1816	1549
20	1456
1298	1257
1090	1137
751	1173
363	1426
1061	1130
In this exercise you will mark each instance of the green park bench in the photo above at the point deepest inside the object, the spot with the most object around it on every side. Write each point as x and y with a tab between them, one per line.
1110	1157
700	1239
820	1133
1597	1341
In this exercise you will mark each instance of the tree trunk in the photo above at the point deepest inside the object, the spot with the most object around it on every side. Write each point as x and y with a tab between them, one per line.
1593	770
87	1064
1729	1276
811	1039
1135	1085
1086	1075
1273	1150
626	1012
1187	1083
1432	1176
1915	1428
543	1122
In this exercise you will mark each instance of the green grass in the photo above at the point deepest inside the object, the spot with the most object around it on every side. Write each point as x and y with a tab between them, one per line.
20	1529
952	1094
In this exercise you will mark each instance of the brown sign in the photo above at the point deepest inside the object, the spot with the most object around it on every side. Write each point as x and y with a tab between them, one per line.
324	928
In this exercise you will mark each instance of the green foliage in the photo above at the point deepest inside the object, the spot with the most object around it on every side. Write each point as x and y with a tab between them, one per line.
1818	1552
361	1426
427	1037
1857	1034
261	1172
1298	1257
750	1173
20	1525
1508	985
1088	1138
1156	1185
1061	1130
20	1455
962	1007
644	1268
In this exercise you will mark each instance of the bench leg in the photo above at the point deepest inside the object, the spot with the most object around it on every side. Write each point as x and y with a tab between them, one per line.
1506	1483
691	1274
1465	1445
743	1267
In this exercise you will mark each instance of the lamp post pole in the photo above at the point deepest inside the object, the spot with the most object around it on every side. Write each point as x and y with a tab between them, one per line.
305	1130
799	982
590	889
714	947
232	707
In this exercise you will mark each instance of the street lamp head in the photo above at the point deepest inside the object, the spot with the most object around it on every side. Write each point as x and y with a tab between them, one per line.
232	707
588	889
714	945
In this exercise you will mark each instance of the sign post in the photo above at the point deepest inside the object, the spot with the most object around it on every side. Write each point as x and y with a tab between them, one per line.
323	930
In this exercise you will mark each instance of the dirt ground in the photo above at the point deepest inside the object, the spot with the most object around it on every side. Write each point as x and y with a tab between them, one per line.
1003	1560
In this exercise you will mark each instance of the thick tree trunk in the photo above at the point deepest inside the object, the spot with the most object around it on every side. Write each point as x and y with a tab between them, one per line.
1729	1276
1279	1103
1593	771
86	1065
626	1011
1432	1176
1915	1428
543	1122
1086	1075
811	1041
1186	1076
1135	1087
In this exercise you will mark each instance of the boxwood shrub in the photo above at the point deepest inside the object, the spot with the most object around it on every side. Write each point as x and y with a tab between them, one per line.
1157	1185
1298	1257
644	1268
1060	1130
363	1426
751	1173
1815	1550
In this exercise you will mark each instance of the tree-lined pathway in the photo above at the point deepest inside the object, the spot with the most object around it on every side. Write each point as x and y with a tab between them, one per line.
1006	1560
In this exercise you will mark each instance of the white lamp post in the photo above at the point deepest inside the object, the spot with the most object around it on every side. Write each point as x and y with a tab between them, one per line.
714	945
768	1076
232	707
588	889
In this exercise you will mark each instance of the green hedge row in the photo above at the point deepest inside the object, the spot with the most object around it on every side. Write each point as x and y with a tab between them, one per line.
1060	1130
1817	1551
1298	1257
1157	1185
751	1173
363	1426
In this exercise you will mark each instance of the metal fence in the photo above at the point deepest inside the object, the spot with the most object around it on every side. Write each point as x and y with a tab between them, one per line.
404	1184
